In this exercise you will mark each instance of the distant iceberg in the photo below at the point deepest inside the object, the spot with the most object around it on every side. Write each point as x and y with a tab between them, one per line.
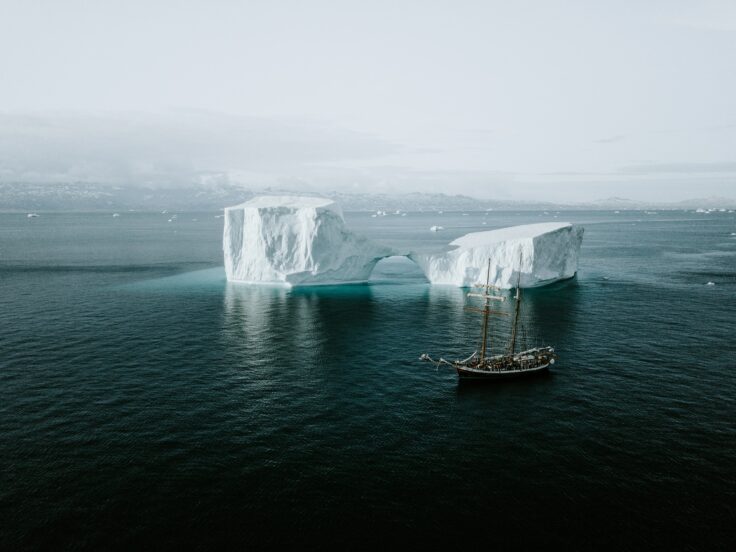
295	241
544	253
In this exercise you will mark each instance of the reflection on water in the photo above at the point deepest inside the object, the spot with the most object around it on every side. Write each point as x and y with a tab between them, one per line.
484	391
297	328
155	412
547	317
282	329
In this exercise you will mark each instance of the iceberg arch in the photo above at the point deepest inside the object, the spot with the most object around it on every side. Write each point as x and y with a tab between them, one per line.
299	241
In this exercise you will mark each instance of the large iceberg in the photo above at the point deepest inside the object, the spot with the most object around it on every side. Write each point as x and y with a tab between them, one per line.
544	253
295	241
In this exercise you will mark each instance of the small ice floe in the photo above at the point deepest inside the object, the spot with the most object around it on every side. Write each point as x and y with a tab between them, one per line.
733	233
164	212
484	223
617	212
397	212
465	214
710	284
403	214
194	220
219	216
440	212
381	213
374	215
170	220
31	215
436	228
115	215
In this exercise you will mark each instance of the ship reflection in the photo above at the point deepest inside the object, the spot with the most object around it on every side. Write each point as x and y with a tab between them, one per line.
336	334
548	317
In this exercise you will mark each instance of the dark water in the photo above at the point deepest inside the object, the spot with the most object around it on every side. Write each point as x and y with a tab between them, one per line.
145	403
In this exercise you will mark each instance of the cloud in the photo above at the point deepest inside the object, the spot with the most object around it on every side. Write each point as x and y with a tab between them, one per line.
165	149
398	178
610	139
721	167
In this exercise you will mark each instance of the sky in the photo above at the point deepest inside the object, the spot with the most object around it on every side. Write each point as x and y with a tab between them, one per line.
552	100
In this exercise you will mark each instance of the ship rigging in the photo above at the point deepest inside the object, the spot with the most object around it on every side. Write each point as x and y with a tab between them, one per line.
483	364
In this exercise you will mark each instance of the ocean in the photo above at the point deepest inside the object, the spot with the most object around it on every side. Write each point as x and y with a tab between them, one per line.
147	403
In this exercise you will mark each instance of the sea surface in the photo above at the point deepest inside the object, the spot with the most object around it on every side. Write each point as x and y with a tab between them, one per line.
147	403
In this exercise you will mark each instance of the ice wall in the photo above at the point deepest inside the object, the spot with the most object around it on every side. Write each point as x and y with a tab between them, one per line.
296	241
544	253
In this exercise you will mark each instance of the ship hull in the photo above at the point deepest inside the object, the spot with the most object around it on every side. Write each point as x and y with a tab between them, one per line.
472	374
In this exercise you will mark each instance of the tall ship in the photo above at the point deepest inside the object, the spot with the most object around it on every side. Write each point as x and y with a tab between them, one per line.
483	364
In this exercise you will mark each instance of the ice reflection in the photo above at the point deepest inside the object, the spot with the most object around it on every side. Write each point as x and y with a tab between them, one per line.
362	336
454	331
294	329
546	318
549	314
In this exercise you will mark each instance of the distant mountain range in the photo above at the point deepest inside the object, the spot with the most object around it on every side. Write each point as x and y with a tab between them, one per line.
97	197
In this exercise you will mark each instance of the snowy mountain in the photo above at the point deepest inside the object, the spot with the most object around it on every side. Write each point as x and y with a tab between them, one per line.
22	196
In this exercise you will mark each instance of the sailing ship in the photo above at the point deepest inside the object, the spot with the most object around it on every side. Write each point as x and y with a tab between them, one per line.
483	364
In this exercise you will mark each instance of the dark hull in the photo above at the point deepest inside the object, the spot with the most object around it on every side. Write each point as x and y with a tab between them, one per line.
470	374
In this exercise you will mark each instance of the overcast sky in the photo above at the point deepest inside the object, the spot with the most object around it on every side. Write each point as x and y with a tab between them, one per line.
549	99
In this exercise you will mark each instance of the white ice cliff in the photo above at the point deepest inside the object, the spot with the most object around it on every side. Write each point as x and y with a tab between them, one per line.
304	241
544	252
295	241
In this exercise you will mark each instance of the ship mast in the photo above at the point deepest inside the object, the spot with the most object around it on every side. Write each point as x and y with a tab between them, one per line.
486	310
512	348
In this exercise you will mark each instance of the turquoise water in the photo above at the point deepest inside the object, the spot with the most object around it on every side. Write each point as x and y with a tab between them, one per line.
145	402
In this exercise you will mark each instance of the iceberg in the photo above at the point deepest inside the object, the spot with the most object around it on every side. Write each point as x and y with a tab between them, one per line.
295	241
543	253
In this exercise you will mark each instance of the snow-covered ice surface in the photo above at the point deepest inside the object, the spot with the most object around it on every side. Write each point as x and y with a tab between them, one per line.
544	252
295	241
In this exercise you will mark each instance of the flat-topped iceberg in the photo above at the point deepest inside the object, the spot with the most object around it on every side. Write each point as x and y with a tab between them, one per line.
544	253
296	241
304	241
